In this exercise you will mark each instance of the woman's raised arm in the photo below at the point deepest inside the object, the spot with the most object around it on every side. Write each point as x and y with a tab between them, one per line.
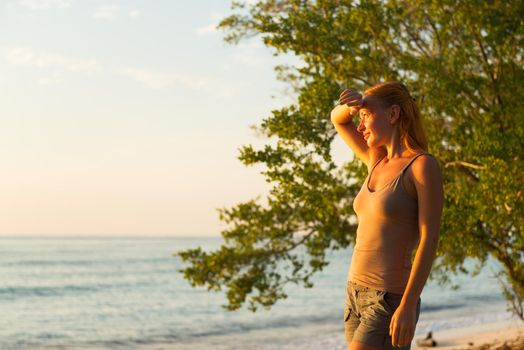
350	102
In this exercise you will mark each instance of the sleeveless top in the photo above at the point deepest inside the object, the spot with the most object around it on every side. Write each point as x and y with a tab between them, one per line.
387	233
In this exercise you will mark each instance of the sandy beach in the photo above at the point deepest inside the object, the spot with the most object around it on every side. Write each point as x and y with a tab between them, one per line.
504	335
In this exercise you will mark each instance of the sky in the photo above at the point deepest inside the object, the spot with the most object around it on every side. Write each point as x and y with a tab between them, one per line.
126	117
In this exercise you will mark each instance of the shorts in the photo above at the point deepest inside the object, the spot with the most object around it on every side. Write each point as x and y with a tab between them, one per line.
367	315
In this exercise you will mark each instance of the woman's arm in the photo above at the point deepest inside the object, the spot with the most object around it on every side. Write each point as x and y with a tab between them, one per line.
428	182
350	102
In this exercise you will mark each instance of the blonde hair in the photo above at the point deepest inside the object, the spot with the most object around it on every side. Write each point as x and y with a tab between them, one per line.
412	133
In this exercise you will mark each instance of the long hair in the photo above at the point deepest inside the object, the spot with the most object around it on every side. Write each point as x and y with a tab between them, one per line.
410	127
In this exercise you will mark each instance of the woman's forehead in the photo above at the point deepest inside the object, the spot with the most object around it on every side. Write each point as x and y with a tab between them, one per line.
370	102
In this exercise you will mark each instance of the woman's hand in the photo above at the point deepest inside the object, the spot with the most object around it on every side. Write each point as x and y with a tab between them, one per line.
352	98
402	326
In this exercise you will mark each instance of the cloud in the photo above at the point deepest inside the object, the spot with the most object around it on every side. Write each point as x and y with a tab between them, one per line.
112	12
50	80
211	27
134	14
149	78
158	80
106	12
22	56
43	4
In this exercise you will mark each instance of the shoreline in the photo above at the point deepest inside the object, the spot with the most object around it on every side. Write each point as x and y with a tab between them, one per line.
499	335
486	336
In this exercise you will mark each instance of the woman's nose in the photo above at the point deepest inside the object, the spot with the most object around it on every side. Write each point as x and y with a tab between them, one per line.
360	127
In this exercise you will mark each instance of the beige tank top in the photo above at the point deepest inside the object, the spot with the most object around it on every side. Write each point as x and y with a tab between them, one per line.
387	233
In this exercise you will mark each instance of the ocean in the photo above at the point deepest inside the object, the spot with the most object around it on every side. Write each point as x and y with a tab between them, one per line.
127	293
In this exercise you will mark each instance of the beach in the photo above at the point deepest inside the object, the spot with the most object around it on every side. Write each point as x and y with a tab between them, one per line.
503	335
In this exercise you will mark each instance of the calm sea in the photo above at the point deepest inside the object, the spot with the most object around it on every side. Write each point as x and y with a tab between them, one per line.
126	293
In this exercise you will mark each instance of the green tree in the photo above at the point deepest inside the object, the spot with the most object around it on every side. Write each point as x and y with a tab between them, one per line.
463	62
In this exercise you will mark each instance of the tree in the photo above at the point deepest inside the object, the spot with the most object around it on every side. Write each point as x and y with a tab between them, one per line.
463	62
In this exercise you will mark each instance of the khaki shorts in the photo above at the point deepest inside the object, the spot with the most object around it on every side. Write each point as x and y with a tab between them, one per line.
367	314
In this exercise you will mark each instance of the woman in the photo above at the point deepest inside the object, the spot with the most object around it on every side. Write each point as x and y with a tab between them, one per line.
398	207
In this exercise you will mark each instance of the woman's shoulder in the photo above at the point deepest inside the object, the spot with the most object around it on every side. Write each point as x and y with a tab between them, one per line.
423	154
425	162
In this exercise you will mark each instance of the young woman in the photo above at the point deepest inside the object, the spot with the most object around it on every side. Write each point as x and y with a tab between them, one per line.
399	207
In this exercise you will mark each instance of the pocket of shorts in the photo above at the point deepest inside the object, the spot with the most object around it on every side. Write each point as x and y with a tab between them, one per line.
392	300
380	296
347	313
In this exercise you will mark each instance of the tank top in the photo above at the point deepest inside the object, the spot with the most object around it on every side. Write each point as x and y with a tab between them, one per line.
387	233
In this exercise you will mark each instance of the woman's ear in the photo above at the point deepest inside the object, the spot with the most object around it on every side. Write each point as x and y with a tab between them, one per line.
394	113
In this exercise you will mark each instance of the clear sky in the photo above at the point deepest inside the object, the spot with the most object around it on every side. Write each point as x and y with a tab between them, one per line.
125	117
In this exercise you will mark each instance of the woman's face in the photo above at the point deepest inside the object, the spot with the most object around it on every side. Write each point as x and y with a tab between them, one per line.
373	124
